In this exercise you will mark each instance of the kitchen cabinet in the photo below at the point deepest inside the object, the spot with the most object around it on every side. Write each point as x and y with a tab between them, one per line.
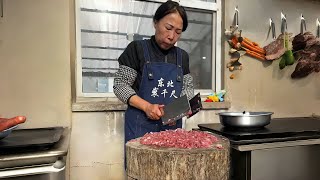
286	161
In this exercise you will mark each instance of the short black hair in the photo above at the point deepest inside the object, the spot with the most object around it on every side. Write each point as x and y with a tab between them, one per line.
171	7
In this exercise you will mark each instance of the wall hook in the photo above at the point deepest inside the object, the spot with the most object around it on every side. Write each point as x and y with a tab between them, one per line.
272	29
303	26
284	26
236	17
318	28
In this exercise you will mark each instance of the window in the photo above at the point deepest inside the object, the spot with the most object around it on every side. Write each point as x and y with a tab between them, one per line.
105	28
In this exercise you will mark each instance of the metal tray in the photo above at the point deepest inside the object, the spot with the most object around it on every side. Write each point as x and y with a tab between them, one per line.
31	138
11	158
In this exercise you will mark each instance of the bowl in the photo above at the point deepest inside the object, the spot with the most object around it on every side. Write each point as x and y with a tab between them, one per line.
245	119
6	132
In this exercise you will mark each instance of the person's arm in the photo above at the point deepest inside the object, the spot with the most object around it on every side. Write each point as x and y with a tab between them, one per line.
153	111
187	88
122	86
124	80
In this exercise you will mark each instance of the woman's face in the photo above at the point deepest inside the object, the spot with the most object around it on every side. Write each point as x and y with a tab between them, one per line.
168	30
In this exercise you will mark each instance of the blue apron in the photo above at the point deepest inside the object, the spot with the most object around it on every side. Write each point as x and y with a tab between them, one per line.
161	83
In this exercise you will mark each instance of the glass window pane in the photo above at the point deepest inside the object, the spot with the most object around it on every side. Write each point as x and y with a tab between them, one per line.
107	27
197	41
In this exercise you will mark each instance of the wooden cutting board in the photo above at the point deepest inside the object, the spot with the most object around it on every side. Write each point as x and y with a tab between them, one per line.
146	162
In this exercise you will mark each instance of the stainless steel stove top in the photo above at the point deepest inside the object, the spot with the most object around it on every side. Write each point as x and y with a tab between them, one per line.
280	129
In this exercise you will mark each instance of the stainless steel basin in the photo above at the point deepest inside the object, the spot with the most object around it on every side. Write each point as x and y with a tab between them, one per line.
245	119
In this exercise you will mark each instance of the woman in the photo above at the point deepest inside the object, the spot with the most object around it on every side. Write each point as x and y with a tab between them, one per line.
153	72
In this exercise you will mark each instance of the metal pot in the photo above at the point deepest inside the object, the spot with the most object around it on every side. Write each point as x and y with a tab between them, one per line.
245	119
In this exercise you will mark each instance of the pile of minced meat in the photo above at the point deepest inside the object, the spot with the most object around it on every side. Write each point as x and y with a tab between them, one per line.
179	138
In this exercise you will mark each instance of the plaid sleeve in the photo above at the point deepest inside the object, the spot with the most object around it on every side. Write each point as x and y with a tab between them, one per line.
123	82
187	87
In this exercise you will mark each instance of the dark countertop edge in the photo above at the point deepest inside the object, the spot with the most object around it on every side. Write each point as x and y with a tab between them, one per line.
101	106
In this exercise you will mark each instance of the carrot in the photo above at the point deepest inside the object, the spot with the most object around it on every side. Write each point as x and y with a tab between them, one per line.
255	45
253	48
250	42
263	56
246	40
256	55
234	40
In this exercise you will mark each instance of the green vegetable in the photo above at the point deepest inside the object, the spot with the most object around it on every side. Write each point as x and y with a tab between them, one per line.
282	63
289	58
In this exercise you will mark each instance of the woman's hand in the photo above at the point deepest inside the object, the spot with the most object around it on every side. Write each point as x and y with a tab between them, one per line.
154	111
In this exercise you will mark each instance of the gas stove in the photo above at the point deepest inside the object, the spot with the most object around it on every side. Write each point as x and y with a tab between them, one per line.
280	129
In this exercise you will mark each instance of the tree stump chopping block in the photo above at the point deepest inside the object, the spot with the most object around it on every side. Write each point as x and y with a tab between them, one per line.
149	162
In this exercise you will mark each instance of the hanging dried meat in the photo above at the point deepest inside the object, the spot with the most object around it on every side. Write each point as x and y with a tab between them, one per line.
275	49
306	48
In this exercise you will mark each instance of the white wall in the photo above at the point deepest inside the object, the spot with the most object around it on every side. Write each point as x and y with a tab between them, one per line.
262	85
35	62
35	78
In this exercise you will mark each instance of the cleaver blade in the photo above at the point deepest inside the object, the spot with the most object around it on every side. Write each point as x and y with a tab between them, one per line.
175	110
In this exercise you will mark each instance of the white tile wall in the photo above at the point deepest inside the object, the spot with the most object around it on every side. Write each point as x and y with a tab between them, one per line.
96	149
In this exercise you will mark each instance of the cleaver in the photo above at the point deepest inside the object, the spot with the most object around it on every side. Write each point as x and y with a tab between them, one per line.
181	107
195	105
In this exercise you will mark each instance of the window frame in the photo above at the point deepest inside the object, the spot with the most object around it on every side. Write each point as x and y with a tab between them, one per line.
194	4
